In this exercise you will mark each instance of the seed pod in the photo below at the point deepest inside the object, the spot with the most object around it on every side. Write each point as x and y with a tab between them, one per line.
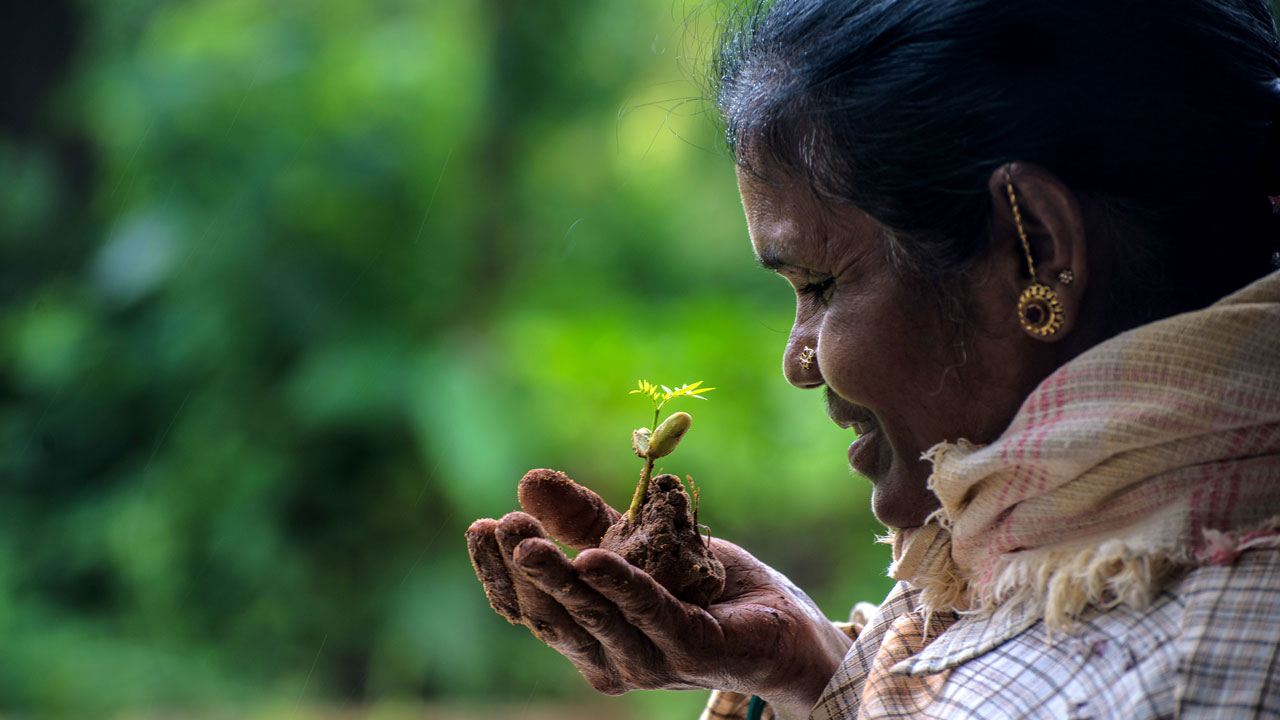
640	442
668	435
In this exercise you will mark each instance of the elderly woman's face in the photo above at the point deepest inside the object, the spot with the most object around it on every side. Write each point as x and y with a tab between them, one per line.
888	356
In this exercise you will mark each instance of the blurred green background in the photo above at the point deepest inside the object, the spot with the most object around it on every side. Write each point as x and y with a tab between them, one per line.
294	291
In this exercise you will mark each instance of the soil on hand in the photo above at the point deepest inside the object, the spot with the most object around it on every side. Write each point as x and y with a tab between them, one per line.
665	543
570	513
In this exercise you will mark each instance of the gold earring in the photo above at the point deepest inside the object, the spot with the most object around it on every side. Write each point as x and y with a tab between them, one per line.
1040	311
806	357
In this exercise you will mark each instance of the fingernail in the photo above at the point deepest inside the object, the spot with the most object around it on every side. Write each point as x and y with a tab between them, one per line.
533	566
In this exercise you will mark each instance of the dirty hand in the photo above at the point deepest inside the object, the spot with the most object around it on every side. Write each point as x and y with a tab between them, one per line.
623	631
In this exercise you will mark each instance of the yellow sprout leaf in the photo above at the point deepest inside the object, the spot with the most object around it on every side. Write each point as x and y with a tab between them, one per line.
661	394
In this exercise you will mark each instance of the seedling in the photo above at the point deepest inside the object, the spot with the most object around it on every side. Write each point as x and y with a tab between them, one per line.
655	441
659	534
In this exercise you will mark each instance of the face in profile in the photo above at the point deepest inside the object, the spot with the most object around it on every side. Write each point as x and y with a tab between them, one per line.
898	371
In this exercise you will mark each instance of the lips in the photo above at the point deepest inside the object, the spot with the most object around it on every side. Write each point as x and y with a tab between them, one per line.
860	425
850	416
864	452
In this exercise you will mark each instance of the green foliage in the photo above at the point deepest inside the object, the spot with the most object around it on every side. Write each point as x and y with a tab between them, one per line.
295	291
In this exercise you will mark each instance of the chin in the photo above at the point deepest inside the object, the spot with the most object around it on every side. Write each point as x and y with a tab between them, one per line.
896	517
902	500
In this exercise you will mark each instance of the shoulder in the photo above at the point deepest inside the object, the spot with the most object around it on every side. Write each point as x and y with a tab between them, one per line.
1229	639
1207	646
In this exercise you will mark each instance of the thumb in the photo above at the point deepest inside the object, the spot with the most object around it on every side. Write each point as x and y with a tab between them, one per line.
570	512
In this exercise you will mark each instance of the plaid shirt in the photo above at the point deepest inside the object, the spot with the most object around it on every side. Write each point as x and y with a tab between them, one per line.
1208	646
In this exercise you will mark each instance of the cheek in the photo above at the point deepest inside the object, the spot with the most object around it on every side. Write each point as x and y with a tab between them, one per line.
893	362
856	370
867	349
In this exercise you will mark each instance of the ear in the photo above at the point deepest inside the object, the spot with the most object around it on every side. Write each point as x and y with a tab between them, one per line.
1051	217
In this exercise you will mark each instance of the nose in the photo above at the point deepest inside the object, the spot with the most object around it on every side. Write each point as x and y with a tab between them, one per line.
800	359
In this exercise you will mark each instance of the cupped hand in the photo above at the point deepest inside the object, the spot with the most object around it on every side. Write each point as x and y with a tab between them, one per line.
624	631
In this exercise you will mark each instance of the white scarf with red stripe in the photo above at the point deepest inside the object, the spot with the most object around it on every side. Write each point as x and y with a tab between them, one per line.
1157	449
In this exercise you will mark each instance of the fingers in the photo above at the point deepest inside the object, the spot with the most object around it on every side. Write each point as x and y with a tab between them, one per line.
634	659
599	616
516	597
539	611
486	558
572	514
677	629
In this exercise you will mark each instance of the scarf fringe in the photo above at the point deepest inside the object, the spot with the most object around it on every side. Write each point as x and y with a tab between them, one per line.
948	452
1063	583
1222	548
1060	584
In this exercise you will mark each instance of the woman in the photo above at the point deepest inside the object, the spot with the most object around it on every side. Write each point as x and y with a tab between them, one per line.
1031	244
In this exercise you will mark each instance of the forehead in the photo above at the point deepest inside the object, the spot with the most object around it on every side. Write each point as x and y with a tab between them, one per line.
788	223
776	211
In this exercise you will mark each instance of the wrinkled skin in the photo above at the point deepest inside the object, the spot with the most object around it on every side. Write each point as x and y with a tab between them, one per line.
887	363
898	366
623	631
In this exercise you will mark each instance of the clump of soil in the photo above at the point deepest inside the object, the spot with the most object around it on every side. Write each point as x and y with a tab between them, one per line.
665	543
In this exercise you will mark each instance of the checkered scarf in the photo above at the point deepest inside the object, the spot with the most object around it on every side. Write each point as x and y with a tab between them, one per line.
1157	449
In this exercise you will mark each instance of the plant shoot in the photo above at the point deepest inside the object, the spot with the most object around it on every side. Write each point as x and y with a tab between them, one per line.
657	440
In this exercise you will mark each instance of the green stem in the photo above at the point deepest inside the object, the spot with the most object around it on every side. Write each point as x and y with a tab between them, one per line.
637	501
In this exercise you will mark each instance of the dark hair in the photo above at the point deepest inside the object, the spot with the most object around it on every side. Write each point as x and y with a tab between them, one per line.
1156	113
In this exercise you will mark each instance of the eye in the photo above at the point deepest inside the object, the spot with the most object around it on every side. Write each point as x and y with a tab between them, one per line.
819	289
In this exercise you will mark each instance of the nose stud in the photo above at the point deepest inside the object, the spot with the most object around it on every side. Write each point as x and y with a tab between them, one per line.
806	357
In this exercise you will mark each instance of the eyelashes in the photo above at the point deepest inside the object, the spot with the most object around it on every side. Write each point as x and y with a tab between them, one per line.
818	289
